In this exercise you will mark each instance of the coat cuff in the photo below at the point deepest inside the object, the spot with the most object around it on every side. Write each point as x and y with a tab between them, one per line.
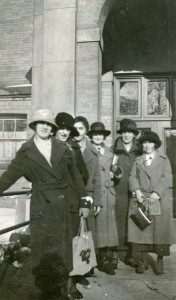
119	173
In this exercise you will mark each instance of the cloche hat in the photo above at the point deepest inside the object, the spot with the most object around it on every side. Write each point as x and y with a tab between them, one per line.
65	120
150	136
42	115
98	127
128	125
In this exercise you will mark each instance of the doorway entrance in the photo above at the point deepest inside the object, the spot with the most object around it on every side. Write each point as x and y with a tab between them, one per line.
149	100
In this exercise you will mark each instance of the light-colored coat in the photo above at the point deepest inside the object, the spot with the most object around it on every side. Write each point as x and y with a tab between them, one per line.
93	186
157	178
106	228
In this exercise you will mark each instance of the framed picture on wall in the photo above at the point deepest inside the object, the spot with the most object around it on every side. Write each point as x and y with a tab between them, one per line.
157	98
128	97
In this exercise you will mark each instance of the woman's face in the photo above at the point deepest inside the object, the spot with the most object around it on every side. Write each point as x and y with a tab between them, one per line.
82	131
43	130
127	137
97	138
148	147
63	134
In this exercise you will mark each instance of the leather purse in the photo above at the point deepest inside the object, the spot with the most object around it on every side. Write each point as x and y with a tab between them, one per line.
140	218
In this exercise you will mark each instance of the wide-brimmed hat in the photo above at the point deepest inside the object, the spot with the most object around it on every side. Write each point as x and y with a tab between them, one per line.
42	115
65	120
150	136
98	127
127	125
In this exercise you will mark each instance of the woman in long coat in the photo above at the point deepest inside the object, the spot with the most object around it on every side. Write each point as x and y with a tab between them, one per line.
125	147
56	184
105	222
151	180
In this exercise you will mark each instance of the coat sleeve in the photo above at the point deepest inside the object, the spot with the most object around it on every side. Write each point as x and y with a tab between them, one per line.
133	179
14	171
79	184
165	181
97	201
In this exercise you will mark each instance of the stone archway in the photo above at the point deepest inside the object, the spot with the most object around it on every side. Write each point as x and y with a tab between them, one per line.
90	22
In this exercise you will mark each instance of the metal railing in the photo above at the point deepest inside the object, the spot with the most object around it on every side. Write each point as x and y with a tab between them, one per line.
15	193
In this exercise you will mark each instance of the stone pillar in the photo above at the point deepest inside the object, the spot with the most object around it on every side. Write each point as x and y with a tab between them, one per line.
107	105
53	84
88	73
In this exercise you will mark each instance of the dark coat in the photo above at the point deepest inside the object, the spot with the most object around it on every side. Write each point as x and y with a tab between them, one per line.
125	161
55	192
79	160
157	178
106	228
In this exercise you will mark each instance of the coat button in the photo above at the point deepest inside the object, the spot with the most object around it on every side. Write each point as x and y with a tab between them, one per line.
60	178
43	180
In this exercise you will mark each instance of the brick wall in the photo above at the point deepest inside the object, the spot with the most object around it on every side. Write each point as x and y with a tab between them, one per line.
16	30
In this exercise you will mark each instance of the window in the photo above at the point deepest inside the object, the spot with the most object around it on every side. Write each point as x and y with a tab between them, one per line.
12	134
143	96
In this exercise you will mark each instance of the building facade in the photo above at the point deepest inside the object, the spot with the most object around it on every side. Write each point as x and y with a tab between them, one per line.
104	59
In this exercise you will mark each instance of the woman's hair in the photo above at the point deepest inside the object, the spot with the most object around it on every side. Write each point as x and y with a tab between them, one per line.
83	120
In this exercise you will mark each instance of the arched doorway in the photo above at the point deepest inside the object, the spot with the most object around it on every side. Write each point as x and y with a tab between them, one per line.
139	70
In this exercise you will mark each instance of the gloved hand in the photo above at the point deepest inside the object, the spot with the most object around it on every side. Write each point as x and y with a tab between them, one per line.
96	210
83	211
89	199
154	196
140	196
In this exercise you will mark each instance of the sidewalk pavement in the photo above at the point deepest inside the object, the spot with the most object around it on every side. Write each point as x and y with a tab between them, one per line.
128	285
125	285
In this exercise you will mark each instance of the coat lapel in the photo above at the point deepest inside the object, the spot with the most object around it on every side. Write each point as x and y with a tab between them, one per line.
89	152
106	157
56	155
58	150
142	163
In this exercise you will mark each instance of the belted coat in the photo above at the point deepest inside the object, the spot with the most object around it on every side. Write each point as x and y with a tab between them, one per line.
56	190
106	228
157	178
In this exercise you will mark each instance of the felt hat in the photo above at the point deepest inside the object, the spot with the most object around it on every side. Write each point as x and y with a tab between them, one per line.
128	125
98	127
150	136
42	115
65	120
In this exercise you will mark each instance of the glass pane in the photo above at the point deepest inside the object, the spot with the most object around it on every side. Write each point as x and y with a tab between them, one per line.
9	149
9	125
1	129
1	125
1	149
21	125
156	98
129	98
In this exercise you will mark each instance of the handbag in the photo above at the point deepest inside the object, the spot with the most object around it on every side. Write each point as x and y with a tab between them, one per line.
140	218
84	258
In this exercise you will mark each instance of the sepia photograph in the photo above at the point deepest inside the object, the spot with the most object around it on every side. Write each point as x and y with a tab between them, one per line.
87	149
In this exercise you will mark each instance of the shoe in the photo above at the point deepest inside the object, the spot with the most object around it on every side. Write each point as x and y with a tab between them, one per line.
131	262
90	273
106	265
140	268
75	293
159	269
84	282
